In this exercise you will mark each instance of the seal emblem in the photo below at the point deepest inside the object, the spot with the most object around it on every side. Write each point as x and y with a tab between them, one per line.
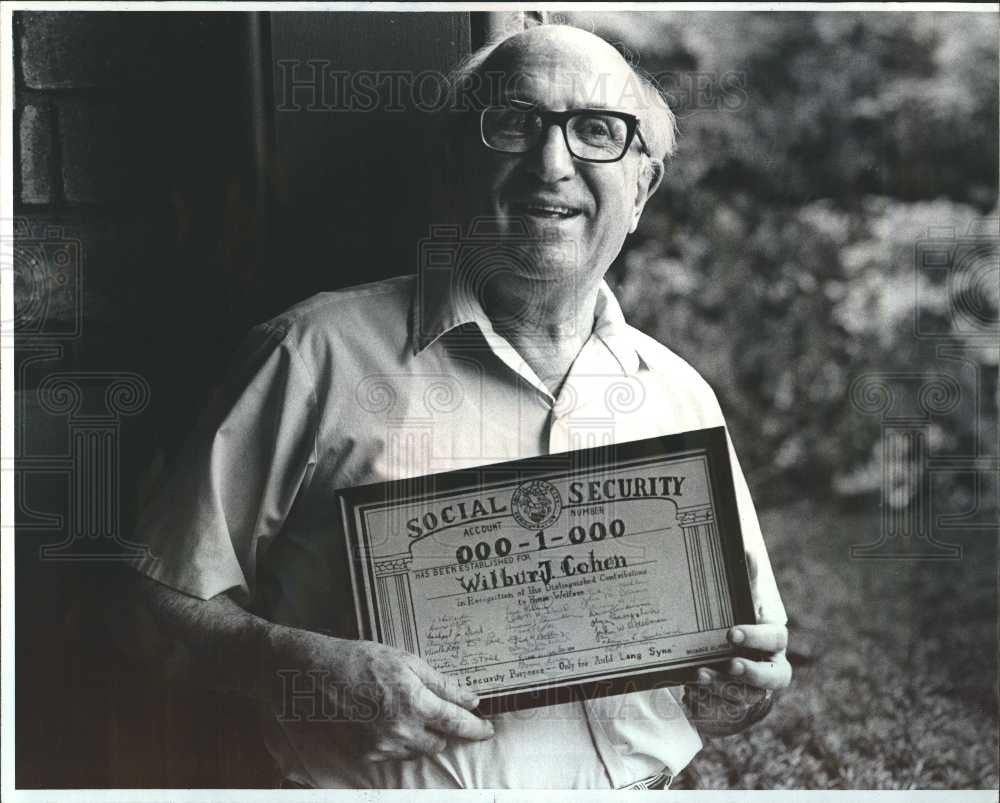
536	505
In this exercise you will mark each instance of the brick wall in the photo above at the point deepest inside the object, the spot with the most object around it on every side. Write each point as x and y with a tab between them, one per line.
132	188
79	73
134	156
131	138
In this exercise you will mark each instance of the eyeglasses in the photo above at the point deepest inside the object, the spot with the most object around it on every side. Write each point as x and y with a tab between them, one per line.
591	135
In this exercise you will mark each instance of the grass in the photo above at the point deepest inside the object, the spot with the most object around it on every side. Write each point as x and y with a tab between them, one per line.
895	667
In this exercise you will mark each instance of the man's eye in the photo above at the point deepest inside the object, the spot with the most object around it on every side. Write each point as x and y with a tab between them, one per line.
598	129
515	122
594	126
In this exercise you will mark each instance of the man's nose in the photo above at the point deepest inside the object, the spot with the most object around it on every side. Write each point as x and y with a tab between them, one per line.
551	160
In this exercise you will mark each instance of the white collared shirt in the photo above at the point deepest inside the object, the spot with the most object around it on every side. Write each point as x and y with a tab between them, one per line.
399	379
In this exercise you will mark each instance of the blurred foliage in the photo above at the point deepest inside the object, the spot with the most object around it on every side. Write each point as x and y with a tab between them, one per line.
817	152
895	668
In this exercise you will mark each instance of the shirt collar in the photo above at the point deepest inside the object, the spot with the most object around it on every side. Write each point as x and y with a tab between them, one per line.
610	326
441	305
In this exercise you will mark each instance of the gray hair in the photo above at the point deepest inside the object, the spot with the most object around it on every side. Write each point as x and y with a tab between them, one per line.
466	80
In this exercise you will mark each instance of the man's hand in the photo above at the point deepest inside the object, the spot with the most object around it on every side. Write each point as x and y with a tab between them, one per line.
384	703
392	705
726	702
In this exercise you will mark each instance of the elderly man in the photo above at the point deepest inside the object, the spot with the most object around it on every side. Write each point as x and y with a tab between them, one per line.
249	584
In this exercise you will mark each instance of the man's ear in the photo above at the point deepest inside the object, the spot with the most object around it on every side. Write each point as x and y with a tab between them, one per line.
649	181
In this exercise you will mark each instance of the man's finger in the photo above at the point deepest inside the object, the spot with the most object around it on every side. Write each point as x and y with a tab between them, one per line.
424	741
775	674
449	719
443	686
768	638
388	750
711	682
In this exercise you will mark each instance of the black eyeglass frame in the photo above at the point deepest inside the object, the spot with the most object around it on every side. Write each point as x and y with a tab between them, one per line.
550	118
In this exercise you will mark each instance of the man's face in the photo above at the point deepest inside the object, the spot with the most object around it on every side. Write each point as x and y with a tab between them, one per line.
576	213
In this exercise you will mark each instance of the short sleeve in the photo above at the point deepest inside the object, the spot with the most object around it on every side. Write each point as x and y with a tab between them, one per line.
238	476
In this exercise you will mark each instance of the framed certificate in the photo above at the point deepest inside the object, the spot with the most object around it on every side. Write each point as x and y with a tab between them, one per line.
593	572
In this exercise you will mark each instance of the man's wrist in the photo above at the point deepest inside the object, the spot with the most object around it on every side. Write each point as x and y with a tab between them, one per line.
277	645
763	706
715	715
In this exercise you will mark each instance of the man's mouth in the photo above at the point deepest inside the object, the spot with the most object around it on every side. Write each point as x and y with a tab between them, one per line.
545	210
